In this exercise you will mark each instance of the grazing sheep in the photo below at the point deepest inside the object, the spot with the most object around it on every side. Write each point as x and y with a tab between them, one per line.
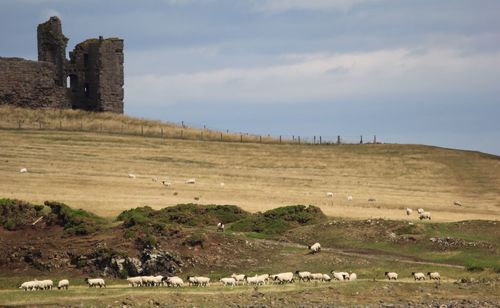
329	194
408	211
157	280
199	281
228	281
326	277
135	281
420	210
256	280
23	170
191	181
418	276
47	284
353	276
174	281
93	283
132	176
238	277
265	277
425	215
63	284
154	179
303	276
457	203
284	277
220	227
166	184
434	276
28	285
338	275
314	248
316	276
222	184
349	198
192	281
391	275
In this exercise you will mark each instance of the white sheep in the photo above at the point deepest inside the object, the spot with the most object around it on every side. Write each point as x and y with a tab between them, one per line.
230	281
135	281
131	176
166	183
316	247
256	280
222	184
418	276
191	181
238	277
316	276
264	277
349	198
63	284
338	276
157	280
23	170
47	284
391	275
95	282
434	276
329	194
220	227
408	211
425	215
192	280
303	276
173	281
326	277
353	276
284	277
199	281
28	285
420	210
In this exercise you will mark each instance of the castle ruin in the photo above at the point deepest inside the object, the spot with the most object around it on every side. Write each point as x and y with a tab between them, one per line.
91	79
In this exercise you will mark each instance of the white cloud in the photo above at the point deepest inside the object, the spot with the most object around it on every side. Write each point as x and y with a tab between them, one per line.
324	77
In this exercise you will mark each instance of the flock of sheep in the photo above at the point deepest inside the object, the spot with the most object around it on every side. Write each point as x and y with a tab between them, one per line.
422	214
234	280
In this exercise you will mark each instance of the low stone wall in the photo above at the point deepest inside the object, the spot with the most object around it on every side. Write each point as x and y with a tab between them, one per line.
27	83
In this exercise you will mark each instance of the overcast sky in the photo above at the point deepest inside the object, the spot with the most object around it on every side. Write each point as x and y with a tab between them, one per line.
421	71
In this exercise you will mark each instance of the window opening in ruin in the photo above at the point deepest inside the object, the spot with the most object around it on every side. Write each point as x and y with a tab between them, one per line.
86	90
72	82
68	82
86	59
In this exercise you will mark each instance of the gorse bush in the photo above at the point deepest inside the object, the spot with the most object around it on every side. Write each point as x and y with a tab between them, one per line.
78	222
17	214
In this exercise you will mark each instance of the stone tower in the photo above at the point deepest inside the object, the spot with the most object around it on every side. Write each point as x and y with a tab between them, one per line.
52	47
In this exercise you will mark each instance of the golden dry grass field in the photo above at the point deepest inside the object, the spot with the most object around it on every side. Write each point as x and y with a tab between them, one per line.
90	171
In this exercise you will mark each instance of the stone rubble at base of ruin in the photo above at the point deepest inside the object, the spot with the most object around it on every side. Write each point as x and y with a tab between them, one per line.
91	79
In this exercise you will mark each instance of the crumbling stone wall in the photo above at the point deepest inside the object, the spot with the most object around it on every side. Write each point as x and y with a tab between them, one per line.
94	72
26	83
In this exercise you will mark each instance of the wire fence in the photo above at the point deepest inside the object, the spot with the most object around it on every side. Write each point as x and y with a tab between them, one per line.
181	130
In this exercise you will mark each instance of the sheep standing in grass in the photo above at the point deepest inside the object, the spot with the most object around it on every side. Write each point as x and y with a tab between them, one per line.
284	277
191	181
349	198
220	227
174	281
23	170
131	176
28	286
420	210
434	276
63	284
326	277
425	215
418	276
95	282
47	284
338	276
408	211
256	280
230	281
166	183
135	281
239	278
329	194
303	276
353	276
317	276
314	248
391	275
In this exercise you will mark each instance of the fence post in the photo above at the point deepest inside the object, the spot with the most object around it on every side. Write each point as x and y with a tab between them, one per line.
260	138
241	137
319	139
338	139
299	139
220	136
293	137
361	141
374	139
280	138
142	130
314	142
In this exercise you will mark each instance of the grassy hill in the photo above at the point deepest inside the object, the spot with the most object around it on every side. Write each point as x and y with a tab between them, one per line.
90	170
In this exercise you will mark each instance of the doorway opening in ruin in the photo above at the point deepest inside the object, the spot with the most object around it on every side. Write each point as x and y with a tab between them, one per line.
72	82
86	90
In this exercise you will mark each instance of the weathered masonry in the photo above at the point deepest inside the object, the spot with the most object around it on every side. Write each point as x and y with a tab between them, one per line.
91	79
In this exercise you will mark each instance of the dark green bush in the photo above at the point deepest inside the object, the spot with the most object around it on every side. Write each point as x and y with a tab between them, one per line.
16	214
10	225
195	239
474	268
77	222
